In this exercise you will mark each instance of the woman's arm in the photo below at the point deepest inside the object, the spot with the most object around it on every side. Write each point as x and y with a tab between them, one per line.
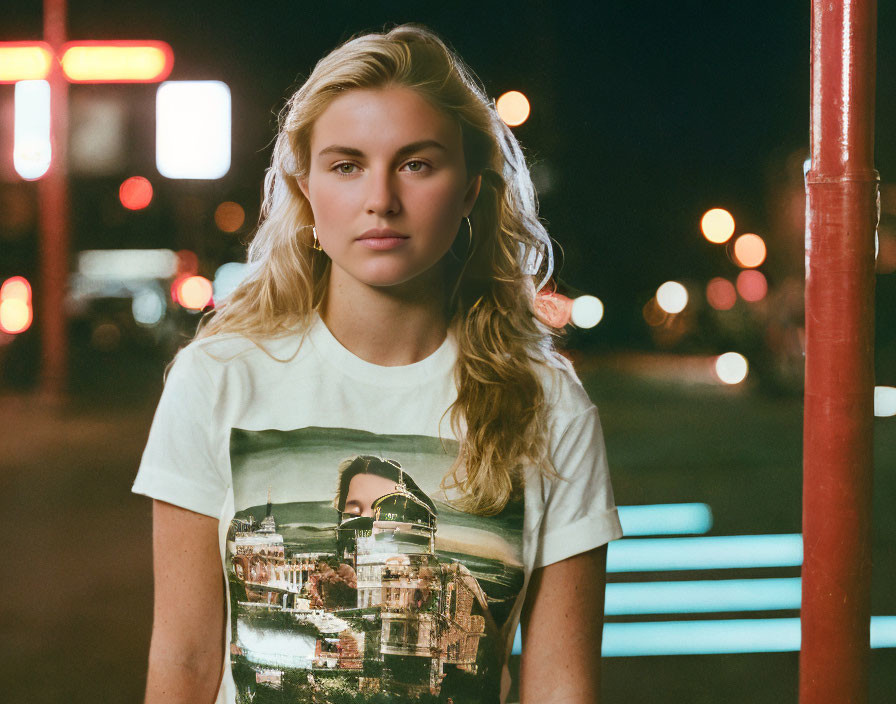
562	624
186	656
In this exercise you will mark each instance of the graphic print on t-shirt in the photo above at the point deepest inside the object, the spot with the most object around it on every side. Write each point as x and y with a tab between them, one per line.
397	597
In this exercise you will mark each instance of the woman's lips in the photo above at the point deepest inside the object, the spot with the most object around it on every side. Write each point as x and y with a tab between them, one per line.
381	243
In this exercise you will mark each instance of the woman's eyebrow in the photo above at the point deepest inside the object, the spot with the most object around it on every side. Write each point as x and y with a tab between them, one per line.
406	149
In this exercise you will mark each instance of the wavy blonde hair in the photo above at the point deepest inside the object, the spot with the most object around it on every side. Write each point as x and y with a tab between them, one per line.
490	308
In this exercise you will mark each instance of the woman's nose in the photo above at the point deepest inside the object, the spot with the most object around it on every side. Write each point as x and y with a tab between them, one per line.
382	194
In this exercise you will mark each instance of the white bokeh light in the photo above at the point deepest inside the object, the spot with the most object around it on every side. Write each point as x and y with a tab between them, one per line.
228	277
31	129
672	297
884	401
148	306
193	129
731	368
587	311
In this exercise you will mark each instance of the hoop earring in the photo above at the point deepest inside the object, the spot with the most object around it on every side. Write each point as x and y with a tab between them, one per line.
316	244
469	244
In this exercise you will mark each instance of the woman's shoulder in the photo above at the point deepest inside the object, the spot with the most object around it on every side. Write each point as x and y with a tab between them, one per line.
223	350
563	389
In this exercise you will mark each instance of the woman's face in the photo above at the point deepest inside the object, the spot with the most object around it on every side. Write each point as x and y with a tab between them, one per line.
363	490
386	159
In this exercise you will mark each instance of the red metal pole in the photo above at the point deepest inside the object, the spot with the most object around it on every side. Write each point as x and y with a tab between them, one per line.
841	218
54	219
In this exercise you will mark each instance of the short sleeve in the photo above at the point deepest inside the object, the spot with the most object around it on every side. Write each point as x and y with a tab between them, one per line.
579	512
179	463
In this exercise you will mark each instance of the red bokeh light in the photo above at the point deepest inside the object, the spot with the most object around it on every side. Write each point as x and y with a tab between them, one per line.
135	193
187	262
720	294
751	285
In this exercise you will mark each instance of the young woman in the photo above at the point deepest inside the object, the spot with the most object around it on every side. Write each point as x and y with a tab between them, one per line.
389	310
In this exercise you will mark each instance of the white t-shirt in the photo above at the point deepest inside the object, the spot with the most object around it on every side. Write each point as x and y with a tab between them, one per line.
424	602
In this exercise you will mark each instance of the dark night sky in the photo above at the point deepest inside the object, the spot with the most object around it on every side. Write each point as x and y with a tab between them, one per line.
646	114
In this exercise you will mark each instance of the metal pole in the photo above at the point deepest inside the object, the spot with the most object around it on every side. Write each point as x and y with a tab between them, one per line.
54	219
841	217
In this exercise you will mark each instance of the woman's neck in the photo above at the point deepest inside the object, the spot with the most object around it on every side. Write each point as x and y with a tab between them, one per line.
389	326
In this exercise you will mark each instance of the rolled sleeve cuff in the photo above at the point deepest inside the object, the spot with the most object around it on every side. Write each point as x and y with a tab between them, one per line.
585	534
175	489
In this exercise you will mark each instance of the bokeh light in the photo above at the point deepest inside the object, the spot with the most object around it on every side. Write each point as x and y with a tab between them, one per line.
749	250
513	107
672	297
32	149
731	368
193	129
653	314
135	193
118	61
148	307
23	61
229	216
587	311
194	292
106	336
187	262
884	401
228	276
717	225
720	294
15	315
16	287
751	285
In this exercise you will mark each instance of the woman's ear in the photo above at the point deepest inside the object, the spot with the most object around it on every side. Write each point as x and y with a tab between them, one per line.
472	194
303	186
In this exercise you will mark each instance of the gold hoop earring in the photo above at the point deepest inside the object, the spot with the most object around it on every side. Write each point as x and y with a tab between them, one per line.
316	244
469	244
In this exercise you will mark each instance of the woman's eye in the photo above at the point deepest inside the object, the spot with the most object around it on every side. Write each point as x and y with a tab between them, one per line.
339	168
420	166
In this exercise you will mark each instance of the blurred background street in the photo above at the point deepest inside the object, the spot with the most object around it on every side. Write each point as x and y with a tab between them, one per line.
668	150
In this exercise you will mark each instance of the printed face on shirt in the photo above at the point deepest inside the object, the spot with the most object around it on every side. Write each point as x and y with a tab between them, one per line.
386	158
363	490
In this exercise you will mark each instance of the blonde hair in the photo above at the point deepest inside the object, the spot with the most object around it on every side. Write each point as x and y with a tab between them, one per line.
490	309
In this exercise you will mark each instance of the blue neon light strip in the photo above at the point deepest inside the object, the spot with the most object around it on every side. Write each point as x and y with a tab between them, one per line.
761	635
688	597
665	519
705	553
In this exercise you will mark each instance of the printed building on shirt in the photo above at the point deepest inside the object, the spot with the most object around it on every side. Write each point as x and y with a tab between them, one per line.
391	617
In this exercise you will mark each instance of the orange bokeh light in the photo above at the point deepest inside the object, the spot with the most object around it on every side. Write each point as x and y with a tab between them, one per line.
749	250
193	292
720	294
135	193
16	287
24	61
229	216
717	225
15	315
119	61
752	285
513	107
